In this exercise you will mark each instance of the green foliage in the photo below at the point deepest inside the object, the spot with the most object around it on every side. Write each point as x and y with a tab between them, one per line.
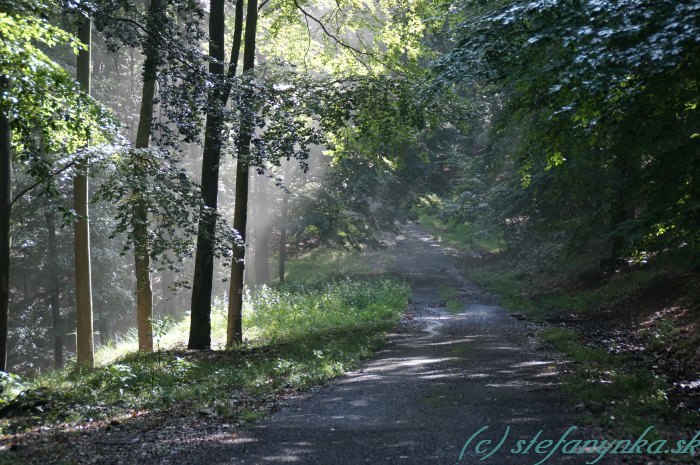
658	337
454	306
466	237
11	386
51	118
290	313
635	396
447	292
297	336
347	37
323	264
375	133
569	343
590	122
170	35
170	197
523	288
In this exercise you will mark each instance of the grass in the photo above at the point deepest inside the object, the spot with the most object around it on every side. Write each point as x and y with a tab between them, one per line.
524	291
617	392
447	292
323	264
297	336
454	306
462	236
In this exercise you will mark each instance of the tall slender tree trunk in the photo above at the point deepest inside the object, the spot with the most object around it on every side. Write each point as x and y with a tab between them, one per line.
283	225
234	329
83	277
200	314
262	239
142	258
167	277
5	211
54	287
283	239
144	289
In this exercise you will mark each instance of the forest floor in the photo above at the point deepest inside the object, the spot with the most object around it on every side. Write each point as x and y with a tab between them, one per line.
457	363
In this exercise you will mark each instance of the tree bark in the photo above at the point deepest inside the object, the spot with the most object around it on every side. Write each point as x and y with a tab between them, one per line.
283	225
234	329
200	314
83	277
283	239
619	214
142	258
262	239
167	277
54	287
5	211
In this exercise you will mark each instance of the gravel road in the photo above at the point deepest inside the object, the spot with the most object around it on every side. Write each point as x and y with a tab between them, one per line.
443	376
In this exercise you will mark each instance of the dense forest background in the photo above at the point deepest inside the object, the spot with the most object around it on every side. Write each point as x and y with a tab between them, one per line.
555	143
551	129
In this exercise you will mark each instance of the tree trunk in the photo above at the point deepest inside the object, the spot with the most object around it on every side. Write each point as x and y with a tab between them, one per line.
25	284
167	277
142	268
283	239
234	329
200	323
83	278
142	258
262	239
5	211
54	287
283	225
619	214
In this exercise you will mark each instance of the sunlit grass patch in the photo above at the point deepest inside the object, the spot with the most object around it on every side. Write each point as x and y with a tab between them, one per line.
462	236
454	306
323	264
447	292
297	336
630	398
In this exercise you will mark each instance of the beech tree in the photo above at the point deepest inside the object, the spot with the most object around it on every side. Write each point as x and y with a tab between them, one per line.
38	98
83	269
214	140
572	85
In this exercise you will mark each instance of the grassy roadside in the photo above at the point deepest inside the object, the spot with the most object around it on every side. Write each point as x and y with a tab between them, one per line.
297	336
614	376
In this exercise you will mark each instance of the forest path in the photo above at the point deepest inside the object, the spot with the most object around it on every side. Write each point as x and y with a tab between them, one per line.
442	376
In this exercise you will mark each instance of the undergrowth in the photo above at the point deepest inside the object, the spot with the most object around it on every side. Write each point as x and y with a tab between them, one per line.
297	336
614	392
617	392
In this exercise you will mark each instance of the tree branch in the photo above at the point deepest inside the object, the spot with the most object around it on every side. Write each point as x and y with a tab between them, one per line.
355	51
37	183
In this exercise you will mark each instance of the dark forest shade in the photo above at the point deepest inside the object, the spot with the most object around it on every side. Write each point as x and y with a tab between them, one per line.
234	332
83	272
5	210
200	328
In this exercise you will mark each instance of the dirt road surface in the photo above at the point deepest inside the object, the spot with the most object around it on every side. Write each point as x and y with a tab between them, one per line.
443	376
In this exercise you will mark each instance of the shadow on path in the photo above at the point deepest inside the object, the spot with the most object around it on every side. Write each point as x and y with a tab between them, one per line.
441	377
